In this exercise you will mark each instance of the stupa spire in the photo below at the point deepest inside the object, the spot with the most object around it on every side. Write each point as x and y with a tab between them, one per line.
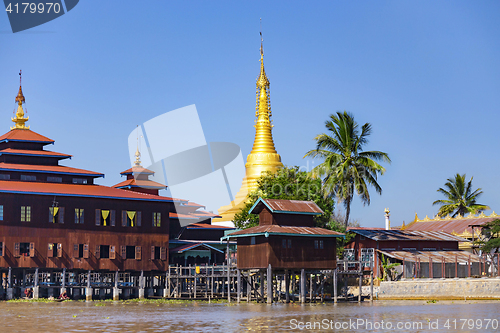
137	162
20	120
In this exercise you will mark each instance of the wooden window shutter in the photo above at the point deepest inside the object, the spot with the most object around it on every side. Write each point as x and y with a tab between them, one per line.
77	215
158	219
138	253
81	215
123	250
50	250
61	214
32	250
154	219
153	253
98	251
17	251
76	251
139	218
2	246
124	218
112	252
59	250
85	251
51	214
113	218
163	253
97	217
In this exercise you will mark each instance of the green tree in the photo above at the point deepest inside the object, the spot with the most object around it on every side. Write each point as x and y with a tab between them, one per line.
347	169
287	183
490	242
460	198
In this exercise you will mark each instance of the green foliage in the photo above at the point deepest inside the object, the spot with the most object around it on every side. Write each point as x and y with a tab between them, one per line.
347	169
287	183
490	242
388	268
460	198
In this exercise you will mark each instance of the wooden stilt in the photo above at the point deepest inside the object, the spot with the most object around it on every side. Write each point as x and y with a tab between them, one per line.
360	295
262	286
238	285
302	286
249	287
287	286
269	285
312	288
335	285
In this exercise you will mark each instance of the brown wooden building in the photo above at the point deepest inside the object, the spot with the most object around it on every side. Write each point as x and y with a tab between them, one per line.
285	238
54	216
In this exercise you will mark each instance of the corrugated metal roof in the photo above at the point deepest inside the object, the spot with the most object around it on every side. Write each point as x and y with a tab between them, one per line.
77	190
196	246
400	235
286	206
293	231
458	226
25	135
437	256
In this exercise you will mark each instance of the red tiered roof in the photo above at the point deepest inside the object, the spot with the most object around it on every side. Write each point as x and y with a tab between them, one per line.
139	183
25	135
58	169
46	153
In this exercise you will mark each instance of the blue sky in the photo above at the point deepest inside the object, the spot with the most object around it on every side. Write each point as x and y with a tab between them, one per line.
425	74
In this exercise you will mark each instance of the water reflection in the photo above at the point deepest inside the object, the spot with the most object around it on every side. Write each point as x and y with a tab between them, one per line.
204	317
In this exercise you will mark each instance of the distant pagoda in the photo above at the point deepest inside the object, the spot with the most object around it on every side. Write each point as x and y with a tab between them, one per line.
263	156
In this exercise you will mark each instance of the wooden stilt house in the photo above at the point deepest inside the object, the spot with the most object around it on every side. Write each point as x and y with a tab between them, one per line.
285	238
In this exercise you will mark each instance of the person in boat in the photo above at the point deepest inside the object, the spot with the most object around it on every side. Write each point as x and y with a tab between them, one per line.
28	292
63	296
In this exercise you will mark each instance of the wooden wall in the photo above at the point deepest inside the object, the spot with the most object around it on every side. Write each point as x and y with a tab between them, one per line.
301	254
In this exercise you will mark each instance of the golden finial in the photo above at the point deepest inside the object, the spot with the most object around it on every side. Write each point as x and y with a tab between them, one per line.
20	120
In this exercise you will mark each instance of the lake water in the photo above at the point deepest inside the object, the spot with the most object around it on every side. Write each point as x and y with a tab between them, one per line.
384	316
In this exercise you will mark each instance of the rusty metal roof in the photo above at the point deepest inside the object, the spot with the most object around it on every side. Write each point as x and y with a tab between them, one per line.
270	230
286	206
405	235
436	256
456	226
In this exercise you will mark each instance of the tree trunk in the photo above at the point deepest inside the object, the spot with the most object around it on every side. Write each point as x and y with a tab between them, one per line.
347	210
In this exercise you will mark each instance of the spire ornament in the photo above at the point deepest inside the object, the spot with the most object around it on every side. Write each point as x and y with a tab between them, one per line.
20	120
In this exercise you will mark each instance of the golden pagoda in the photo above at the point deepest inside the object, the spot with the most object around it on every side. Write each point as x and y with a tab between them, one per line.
263	156
20	120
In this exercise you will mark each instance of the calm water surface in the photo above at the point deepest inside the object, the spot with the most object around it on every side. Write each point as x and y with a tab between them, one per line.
221	317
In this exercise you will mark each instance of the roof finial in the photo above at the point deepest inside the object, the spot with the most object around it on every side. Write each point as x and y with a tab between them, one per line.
261	41
20	120
137	152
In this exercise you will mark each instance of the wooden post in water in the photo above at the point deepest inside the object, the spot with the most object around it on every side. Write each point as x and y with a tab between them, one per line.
302	286
312	288
249	287
88	290
287	286
335	285
269	284
360	296
116	291
238	285
262	286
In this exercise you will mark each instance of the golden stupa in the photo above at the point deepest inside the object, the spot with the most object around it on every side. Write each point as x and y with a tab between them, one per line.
263	156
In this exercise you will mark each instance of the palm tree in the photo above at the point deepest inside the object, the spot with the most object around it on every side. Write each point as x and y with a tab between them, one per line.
460	199
346	168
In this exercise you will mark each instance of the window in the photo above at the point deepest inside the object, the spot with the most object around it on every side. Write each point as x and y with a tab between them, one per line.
350	255
252	240
316	244
79	215
156	219
158	253
81	251
4	176
28	178
128	252
56	214
79	181
105	217
54	179
283	243
25	213
367	256
24	249
1	212
54	250
102	251
289	243
131	218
